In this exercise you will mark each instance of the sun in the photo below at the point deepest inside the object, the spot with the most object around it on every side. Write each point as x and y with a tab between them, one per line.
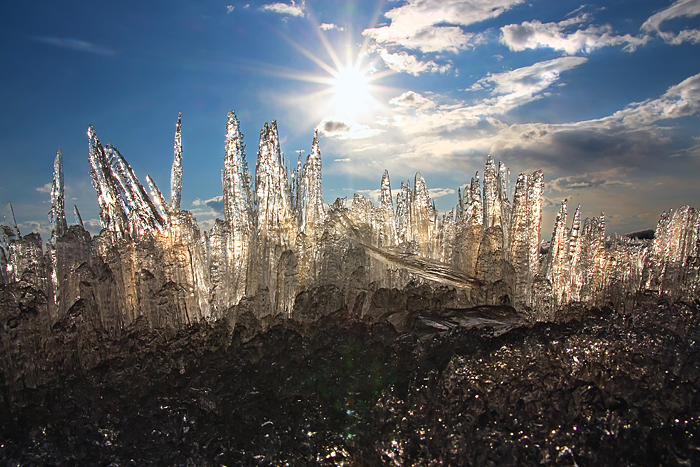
351	90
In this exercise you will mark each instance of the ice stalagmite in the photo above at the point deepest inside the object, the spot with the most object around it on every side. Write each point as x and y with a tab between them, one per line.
574	257
238	213
492	204
673	256
558	255
176	172
469	228
276	223
520	237
403	215
57	215
9	234
421	215
385	217
57	221
312	210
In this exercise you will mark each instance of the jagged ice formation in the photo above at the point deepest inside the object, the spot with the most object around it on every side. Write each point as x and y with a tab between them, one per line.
278	242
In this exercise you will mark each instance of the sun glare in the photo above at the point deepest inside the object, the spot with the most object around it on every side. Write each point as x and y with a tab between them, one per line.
351	90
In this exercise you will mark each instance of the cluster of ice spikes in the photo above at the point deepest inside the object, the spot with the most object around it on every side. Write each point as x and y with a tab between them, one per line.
278	238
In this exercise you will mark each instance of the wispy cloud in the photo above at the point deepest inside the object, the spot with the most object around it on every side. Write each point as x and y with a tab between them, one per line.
343	129
433	25
680	8
229	9
74	44
216	203
534	34
285	9
46	188
403	62
440	192
331	26
413	100
608	178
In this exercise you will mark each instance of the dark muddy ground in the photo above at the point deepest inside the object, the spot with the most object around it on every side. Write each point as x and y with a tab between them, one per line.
606	390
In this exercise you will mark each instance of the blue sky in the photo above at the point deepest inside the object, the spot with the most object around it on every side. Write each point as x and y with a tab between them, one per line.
602	96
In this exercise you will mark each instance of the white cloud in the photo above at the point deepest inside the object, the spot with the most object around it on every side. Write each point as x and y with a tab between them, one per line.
412	99
680	8
534	34
522	85
44	189
615	177
508	90
344	159
207	202
285	9
34	226
343	129
440	192
447	137
330	26
680	100
229	9
375	195
403	62
433	25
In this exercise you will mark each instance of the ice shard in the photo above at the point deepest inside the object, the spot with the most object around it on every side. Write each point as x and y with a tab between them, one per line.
176	172
9	236
142	214
673	257
8	224
157	197
112	215
57	214
77	217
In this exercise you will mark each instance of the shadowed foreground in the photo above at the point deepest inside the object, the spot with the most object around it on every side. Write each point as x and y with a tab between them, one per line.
609	390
